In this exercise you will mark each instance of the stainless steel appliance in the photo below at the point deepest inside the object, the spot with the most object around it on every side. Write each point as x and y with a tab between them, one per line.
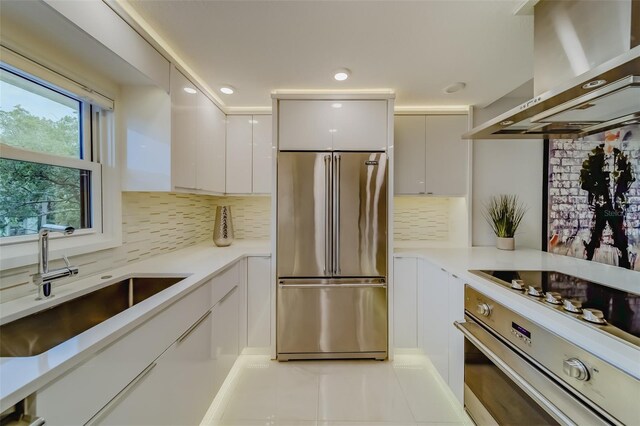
519	373
332	255
586	73
595	305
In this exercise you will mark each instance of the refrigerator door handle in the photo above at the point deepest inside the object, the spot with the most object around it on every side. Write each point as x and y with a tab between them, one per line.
327	217
336	218
334	286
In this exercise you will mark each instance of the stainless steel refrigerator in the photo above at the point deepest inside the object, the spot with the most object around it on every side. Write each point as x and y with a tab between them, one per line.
332	255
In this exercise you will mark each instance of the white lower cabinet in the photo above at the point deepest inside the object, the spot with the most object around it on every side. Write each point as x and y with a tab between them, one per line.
226	346
259	332
456	339
405	330
434	326
79	394
164	372
440	302
176	389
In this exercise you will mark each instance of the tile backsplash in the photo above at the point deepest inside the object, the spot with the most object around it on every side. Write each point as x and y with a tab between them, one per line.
155	223
421	218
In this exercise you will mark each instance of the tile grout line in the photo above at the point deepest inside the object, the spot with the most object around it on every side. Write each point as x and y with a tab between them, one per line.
404	395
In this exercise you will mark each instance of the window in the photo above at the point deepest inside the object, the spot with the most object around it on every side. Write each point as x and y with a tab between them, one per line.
58	162
46	168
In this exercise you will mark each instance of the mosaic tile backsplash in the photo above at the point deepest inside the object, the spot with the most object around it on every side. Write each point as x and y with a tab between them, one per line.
155	223
421	219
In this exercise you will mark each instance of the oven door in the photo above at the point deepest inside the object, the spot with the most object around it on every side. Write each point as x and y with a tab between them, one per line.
501	387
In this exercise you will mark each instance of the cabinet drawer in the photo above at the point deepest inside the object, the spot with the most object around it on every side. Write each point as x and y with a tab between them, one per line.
75	397
224	282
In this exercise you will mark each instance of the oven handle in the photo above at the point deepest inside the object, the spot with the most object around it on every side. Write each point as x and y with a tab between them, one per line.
466	329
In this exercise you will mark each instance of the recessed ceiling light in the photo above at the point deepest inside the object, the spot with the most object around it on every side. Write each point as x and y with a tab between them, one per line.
336	105
227	90
342	74
190	90
507	122
455	87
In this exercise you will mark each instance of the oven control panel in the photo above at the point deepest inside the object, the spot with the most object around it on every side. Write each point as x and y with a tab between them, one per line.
521	333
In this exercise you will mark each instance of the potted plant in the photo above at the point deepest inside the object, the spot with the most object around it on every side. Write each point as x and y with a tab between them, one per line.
504	213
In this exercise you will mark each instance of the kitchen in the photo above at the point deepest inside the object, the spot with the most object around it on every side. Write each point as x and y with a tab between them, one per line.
344	172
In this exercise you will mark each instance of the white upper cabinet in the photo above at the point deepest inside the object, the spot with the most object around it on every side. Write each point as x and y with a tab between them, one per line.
344	125
184	131
430	156
305	125
410	153
447	155
239	154
262	154
146	156
197	139
210	167
359	125
249	154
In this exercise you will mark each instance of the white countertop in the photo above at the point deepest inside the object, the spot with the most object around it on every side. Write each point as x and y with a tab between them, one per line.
19	377
459	261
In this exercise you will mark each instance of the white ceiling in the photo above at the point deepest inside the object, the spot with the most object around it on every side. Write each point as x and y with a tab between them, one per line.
413	47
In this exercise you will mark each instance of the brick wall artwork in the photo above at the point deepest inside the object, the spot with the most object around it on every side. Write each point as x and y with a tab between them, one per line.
594	197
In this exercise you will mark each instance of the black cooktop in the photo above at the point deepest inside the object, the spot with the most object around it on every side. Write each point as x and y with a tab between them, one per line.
620	308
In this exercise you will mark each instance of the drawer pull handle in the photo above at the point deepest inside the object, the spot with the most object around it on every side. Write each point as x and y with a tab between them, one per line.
121	395
193	327
229	293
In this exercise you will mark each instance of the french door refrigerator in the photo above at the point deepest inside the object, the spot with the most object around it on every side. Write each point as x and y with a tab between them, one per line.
332	255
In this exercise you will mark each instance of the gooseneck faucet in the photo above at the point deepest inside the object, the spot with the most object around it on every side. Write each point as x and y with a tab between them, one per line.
44	277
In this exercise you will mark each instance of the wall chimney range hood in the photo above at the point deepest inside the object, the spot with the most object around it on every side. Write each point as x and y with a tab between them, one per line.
586	73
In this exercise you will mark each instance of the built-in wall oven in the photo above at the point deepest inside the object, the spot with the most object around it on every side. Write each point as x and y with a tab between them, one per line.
519	373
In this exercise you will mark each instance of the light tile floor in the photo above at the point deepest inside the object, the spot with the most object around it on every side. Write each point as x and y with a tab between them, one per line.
406	391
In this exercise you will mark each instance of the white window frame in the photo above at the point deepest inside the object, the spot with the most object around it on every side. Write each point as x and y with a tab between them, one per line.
106	209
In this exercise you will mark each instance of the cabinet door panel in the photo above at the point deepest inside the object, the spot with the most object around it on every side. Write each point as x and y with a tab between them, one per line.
360	126
211	147
179	388
447	155
405	331
305	125
262	154
225	335
410	153
259	302
434	284
239	154
184	134
80	393
456	340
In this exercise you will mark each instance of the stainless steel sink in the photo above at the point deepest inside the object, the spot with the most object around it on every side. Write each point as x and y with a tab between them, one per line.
39	332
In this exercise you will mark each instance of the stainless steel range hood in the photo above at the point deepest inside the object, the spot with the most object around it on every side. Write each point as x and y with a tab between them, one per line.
586	73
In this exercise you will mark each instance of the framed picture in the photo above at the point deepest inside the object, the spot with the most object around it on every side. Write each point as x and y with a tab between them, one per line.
592	197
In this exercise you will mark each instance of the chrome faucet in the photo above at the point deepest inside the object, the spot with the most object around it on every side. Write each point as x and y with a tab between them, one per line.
44	277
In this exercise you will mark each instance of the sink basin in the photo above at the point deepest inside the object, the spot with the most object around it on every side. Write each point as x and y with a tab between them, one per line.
39	332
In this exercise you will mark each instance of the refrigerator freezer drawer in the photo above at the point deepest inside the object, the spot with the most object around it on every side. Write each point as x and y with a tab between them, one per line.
332	321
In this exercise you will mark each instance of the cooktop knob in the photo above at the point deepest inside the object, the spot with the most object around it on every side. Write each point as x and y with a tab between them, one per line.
572	305
553	297
535	291
484	309
517	284
593	315
575	368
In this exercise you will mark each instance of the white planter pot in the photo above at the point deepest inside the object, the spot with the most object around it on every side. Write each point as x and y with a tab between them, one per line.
505	243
